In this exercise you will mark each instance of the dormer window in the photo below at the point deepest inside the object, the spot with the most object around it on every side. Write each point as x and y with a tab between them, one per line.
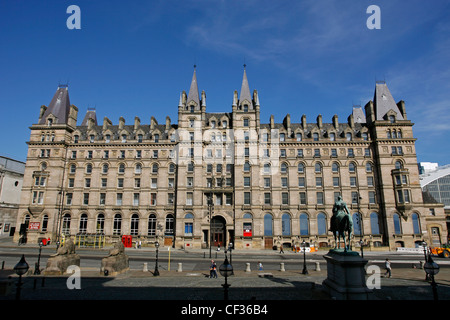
246	123
76	138
49	122
213	124
391	119
124	138
245	107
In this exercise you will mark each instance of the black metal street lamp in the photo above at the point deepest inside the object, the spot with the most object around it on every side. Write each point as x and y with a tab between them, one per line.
37	265
20	268
210	212
226	270
432	268
156	273
305	270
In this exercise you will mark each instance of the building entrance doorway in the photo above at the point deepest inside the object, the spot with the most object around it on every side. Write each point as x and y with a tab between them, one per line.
218	231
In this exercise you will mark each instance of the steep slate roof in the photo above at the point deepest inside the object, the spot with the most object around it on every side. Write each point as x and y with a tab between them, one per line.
59	106
383	102
245	90
90	114
193	91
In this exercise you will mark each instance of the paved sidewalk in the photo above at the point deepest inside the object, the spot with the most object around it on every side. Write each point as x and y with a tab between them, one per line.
405	284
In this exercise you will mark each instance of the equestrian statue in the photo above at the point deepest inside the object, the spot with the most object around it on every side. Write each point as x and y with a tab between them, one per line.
341	223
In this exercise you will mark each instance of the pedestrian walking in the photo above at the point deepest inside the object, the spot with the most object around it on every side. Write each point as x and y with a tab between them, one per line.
213	270
281	249
260	266
387	265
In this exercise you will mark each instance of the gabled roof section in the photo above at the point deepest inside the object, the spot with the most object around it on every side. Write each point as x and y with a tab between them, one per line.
59	106
245	91
90	114
193	91
384	102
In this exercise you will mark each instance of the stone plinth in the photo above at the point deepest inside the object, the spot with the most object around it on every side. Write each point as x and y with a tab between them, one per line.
114	265
58	265
346	276
116	262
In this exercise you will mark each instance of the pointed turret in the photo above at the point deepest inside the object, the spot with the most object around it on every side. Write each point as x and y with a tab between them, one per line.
90	114
193	95
384	102
245	92
59	107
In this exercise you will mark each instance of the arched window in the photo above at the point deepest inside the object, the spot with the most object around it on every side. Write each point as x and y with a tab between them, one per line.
100	223
397	224
318	167
117	224
304	224
247	216
151	225
301	168
134	228
286	224
416	223
105	168
171	168
83	223
189	224
268	225
284	167
351	167
138	169
89	168
321	224
155	168
121	168
398	165
246	166
66	224
356	223
169	224
335	167
348	136
369	167
374	223
266	168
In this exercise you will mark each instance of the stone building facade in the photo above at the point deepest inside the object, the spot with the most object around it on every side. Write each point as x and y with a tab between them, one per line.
11	179
216	178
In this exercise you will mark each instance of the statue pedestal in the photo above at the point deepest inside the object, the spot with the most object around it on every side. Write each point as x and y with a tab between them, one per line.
58	265
346	276
115	264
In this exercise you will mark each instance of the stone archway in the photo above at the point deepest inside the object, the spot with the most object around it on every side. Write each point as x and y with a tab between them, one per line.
218	231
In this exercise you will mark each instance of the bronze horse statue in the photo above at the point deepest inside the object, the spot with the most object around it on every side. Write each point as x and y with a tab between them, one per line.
341	223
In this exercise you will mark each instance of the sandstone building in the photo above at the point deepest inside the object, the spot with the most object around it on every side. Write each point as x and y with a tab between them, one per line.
227	177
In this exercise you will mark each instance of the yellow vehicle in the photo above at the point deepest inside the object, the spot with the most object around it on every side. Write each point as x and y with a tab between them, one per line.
441	251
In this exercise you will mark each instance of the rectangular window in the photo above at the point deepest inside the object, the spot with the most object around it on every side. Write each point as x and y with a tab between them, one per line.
189	198
102	199
336	182
350	152
372	197
153	199
284	182
370	181
285	198
170	197
86	199
300	153
87	182
334	153
301	182
218	199
71	182
267	199
104	182
266	182
120	183
154	183
352	181
135	199
69	197
318	181
137	182
246	181
319	197
228	199
188	228
302	197
247	199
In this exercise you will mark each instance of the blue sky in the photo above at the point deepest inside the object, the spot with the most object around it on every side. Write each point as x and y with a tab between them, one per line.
133	58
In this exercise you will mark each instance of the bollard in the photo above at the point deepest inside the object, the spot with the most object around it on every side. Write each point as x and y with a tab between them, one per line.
248	268
282	267
180	267
317	266
3	265
145	269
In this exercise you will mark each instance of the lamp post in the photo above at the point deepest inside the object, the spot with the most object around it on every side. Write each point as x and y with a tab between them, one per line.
20	268
37	265
432	268
226	270
156	273
305	270
424	244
